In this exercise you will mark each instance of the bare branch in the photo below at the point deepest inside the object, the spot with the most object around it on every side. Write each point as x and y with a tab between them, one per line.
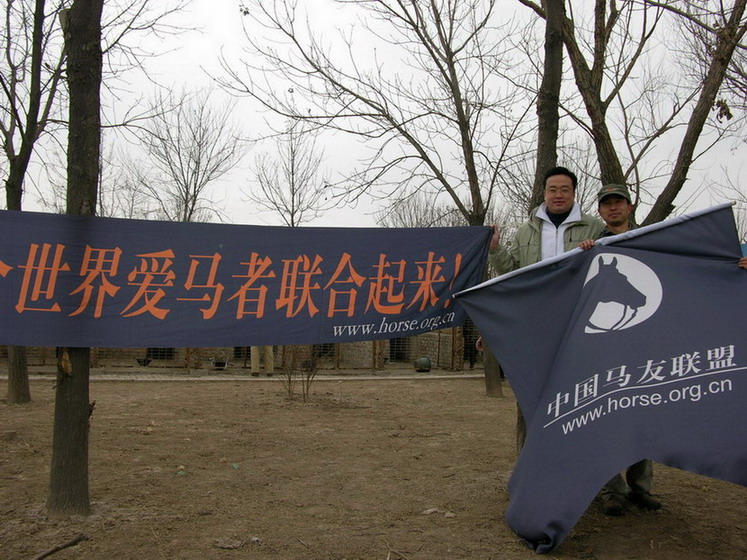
290	182
424	124
189	144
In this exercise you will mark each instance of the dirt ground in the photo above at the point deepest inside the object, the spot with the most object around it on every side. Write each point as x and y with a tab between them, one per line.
385	470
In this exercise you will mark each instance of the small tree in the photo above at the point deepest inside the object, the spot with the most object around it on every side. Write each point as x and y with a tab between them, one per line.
300	366
290	182
291	186
189	143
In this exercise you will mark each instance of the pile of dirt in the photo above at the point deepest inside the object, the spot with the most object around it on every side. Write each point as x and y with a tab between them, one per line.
388	469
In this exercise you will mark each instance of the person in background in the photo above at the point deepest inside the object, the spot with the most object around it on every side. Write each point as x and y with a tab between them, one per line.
615	206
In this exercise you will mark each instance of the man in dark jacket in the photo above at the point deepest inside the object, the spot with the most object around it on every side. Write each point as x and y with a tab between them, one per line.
615	206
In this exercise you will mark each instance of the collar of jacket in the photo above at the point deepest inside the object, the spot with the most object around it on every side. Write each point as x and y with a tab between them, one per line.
539	214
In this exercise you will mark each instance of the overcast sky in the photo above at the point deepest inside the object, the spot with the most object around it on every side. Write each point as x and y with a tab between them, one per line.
222	31
189	56
190	59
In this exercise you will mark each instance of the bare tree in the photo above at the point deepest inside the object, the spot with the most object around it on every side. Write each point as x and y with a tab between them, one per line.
548	98
289	179
119	194
30	81
435	100
727	34
188	144
632	104
429	99
421	210
32	96
292	187
68	485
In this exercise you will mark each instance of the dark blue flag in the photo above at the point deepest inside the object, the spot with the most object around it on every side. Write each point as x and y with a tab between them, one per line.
635	349
84	281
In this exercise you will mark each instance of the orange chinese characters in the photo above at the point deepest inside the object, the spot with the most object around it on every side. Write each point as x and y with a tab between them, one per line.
153	275
386	293
430	273
256	269
339	277
297	285
40	277
209	284
4	269
97	266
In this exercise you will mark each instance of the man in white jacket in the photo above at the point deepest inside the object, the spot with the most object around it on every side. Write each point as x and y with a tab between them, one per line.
556	226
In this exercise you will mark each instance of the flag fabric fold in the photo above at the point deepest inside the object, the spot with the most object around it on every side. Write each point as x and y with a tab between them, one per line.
635	349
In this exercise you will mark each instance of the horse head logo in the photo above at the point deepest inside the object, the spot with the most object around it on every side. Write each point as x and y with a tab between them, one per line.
623	292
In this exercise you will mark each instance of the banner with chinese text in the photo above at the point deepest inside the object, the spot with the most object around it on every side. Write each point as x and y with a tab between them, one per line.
635	349
84	281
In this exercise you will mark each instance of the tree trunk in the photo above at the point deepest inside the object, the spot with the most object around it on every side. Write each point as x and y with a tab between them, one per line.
589	84
68	487
19	391
493	383
548	100
18	376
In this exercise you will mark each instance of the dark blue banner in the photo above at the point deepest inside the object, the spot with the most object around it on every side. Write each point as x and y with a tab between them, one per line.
635	349
83	281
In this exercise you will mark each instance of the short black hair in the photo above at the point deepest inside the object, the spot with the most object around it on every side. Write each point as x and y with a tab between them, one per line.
561	171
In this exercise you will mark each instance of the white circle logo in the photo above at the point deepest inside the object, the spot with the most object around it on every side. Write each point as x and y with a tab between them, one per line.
627	293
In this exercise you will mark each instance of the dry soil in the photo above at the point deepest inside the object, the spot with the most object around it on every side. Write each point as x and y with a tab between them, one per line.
386	469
